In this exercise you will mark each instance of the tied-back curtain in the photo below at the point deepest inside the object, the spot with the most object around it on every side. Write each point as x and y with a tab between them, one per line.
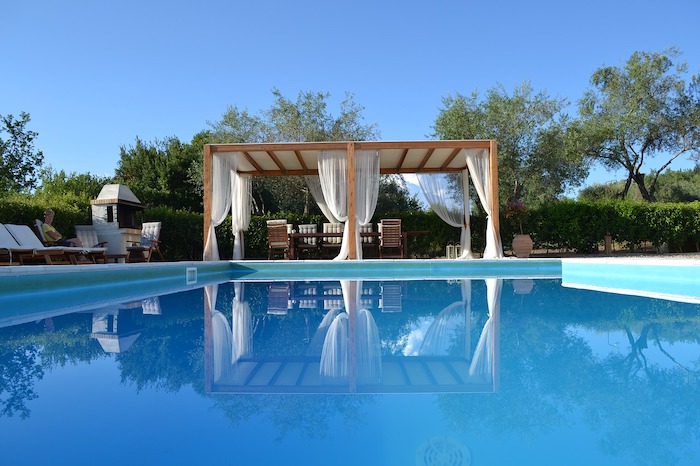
241	189
452	210
333	176
366	191
314	184
222	165
479	168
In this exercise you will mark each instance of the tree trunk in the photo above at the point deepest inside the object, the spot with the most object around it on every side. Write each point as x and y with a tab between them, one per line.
625	190
639	179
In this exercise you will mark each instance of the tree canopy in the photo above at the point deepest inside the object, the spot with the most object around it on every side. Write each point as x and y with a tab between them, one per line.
642	110
19	161
536	159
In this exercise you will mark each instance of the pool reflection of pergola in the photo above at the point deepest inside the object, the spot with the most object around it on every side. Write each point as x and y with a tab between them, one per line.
226	164
351	359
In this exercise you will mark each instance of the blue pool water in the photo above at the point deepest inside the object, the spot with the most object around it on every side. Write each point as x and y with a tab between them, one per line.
355	372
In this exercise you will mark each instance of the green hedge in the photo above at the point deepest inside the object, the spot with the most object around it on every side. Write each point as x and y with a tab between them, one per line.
569	225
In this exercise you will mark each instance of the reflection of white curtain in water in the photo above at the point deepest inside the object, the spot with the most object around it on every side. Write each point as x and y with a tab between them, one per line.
479	168
221	334
335	353
314	184
442	332
241	189
222	164
242	340
444	328
320	335
333	175
455	212
482	363
369	356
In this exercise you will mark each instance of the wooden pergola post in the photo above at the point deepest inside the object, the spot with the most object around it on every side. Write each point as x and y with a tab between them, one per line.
208	191
493	165
352	216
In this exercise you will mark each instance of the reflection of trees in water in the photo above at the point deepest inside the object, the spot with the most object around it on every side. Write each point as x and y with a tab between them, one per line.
309	415
551	379
30	350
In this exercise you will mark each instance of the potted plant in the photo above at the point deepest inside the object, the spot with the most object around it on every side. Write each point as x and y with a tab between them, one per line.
517	213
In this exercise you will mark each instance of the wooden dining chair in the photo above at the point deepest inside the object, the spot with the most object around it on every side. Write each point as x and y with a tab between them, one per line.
390	239
277	239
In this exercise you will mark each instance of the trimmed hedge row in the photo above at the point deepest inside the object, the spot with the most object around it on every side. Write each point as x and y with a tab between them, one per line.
566	225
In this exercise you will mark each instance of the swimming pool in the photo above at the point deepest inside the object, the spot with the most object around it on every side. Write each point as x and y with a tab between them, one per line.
233	366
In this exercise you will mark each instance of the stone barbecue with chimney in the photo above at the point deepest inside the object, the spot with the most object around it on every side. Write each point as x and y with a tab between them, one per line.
117	217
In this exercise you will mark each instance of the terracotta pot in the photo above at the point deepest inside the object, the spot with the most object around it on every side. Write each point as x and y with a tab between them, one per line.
522	245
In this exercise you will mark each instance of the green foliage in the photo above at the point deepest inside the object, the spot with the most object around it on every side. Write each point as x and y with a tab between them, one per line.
394	196
74	187
160	172
24	209
637	112
537	159
19	161
305	120
581	226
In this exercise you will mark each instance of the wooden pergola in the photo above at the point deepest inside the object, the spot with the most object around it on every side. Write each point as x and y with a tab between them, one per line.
396	157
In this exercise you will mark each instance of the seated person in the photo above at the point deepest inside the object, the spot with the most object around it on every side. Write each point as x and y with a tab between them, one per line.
53	237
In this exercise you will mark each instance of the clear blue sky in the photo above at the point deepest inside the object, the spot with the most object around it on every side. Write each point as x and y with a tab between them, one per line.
94	75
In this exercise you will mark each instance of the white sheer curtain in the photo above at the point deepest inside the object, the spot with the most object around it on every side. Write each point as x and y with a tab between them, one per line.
222	164
366	191
314	184
241	188
453	211
333	175
479	168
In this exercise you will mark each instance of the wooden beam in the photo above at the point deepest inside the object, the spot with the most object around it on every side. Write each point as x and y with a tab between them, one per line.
301	161
277	161
450	159
422	163
251	160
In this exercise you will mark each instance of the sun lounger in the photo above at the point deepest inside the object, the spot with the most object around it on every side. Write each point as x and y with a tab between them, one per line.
10	250
26	238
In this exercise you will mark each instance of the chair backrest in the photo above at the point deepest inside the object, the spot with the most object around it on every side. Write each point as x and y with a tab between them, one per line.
150	232
278	299
308	228
333	228
366	229
40	230
390	233
7	241
277	234
87	235
24	236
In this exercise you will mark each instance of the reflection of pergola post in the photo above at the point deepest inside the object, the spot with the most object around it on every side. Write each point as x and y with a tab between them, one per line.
208	340
352	343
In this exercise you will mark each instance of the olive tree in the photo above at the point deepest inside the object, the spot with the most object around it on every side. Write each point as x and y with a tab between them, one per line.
536	157
639	111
